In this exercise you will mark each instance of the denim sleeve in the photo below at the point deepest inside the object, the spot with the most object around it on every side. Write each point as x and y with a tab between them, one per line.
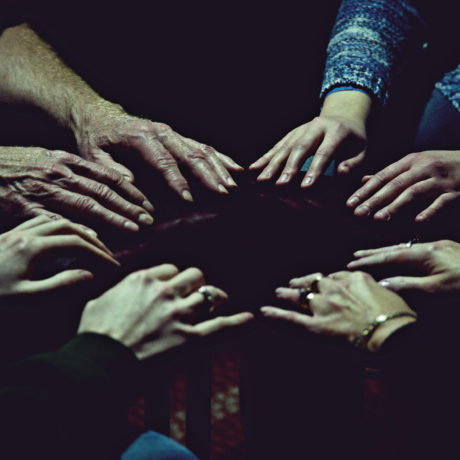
370	42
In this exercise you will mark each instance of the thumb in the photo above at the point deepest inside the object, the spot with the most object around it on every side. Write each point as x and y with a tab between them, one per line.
347	165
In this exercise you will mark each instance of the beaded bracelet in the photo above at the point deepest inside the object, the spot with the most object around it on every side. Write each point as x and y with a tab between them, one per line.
364	336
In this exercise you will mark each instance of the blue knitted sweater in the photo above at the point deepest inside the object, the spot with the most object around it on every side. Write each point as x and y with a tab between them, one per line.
371	42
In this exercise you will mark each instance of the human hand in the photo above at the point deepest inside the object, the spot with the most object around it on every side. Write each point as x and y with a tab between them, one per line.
418	175
153	311
158	145
36	181
31	245
440	261
339	131
344	305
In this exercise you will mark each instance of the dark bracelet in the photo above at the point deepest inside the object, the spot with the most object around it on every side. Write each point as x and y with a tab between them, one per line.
364	336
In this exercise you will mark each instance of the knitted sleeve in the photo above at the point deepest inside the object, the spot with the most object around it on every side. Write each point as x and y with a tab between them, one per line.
450	87
370	41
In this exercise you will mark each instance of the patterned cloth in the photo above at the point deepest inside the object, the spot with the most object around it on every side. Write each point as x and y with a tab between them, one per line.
372	41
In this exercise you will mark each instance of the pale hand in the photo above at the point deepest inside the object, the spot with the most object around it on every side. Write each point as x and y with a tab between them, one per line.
32	244
153	311
432	174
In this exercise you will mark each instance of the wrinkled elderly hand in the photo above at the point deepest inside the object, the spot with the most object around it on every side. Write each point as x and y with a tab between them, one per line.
33	244
155	310
338	132
36	181
158	145
346	303
430	174
439	260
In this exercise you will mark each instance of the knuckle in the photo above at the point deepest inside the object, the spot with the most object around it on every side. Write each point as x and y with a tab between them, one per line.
86	204
165	162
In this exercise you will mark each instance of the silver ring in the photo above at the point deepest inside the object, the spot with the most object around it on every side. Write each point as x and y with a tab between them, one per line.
305	297
208	297
412	241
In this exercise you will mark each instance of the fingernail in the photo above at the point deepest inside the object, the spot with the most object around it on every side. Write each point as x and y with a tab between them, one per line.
187	196
86	276
382	216
283	179
278	291
131	226
420	218
145	219
147	205
358	253
222	189
231	182
307	182
384	283
353	201
362	211
263	176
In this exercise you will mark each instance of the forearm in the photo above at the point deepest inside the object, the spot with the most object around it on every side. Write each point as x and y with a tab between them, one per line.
349	104
370	42
32	73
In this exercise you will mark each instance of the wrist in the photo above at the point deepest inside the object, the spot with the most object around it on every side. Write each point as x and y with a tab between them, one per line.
350	104
91	112
385	330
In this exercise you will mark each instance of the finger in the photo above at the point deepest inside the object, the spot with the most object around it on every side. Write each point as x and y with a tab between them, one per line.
377	181
39	211
388	192
71	242
65	226
155	154
274	164
426	284
413	192
88	208
218	324
288	316
201	160
188	281
346	166
412	256
366	178
101	173
288	294
63	279
305	281
31	223
110	199
229	163
104	159
322	158
437	205
163	272
294	163
369	252
196	302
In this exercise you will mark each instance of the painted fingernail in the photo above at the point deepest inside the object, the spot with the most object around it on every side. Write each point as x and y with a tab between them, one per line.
231	182
307	182
147	205
222	189
145	219
187	196
384	283
131	226
353	201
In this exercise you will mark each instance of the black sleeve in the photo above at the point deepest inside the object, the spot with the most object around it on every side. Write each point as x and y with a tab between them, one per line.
68	404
